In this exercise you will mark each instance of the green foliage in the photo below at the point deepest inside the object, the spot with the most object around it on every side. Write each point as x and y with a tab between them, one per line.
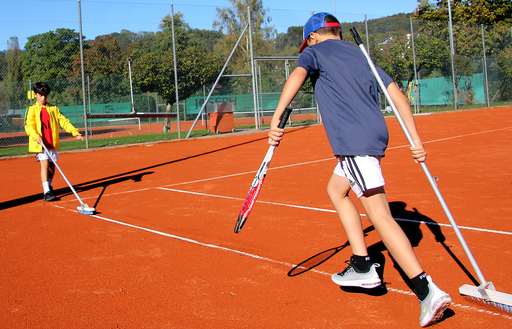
488	12
13	89
153	65
104	58
288	44
49	55
3	65
380	29
233	20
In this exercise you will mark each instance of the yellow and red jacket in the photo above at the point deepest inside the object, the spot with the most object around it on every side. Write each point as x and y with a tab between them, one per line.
33	126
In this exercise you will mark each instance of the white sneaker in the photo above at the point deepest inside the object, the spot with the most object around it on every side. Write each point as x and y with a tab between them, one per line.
350	278
433	306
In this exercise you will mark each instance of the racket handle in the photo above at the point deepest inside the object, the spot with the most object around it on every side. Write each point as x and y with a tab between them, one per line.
356	36
285	116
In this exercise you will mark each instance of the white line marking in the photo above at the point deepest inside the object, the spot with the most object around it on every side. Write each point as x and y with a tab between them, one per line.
329	210
248	172
270	260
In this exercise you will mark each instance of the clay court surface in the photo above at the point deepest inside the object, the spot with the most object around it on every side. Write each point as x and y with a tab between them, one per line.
161	251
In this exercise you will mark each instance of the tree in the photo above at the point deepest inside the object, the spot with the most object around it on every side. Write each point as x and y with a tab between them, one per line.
488	12
288	44
105	63
49	56
232	21
153	65
14	86
504	60
3	65
396	61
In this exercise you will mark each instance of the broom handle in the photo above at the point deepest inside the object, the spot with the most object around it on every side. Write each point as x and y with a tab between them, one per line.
60	170
431	180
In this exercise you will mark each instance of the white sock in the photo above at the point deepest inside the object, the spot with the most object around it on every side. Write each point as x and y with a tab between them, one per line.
46	187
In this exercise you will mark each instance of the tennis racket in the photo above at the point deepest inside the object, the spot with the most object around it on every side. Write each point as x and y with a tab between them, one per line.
255	189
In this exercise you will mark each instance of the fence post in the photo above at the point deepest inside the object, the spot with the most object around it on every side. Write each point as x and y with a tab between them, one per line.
175	74
253	73
485	69
82	73
452	54
416	84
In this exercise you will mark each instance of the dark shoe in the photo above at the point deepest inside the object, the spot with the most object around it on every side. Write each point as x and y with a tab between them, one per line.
48	196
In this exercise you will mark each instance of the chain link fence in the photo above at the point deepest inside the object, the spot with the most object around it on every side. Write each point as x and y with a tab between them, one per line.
417	54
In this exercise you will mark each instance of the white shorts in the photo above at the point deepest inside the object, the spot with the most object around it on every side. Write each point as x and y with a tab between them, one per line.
363	172
42	156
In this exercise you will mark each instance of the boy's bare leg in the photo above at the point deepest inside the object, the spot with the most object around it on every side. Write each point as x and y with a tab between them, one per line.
337	190
376	206
44	170
51	170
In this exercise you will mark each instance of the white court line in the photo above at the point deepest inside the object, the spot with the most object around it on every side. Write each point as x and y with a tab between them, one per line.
303	163
250	172
270	260
207	245
331	158
331	210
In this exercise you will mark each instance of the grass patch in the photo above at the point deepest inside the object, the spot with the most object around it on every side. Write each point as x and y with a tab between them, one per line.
106	142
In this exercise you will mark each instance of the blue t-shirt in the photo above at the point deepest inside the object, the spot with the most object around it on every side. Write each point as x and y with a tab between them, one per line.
347	95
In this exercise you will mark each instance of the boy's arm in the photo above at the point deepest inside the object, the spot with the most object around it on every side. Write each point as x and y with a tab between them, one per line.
67	125
30	124
290	89
402	104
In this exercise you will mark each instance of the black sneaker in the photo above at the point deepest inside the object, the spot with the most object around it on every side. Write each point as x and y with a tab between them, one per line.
48	196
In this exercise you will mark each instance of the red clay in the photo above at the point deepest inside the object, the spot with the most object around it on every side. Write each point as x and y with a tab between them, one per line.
63	269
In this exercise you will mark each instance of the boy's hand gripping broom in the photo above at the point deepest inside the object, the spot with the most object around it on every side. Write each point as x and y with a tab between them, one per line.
83	208
485	290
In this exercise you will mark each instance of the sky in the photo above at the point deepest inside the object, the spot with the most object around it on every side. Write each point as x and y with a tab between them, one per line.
25	18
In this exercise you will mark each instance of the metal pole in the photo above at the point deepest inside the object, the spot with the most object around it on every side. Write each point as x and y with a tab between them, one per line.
260	95
131	86
416	84
485	69
423	165
82	73
89	99
367	34
254	86
287	74
452	54
175	73
217	81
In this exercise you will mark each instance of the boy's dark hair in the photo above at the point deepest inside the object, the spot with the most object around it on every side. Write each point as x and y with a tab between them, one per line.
336	30
42	88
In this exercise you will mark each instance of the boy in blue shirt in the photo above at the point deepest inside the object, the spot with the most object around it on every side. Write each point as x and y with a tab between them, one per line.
347	95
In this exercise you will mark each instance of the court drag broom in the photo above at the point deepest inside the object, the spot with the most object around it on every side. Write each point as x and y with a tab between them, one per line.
486	290
83	208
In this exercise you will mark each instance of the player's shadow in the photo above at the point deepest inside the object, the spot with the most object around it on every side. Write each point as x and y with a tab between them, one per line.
65	191
410	222
103	185
101	182
324	256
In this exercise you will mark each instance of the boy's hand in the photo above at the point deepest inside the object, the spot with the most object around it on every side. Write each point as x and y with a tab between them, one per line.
275	134
39	140
79	137
419	153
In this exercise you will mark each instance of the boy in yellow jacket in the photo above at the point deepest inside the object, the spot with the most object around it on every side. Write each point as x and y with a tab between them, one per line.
42	122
